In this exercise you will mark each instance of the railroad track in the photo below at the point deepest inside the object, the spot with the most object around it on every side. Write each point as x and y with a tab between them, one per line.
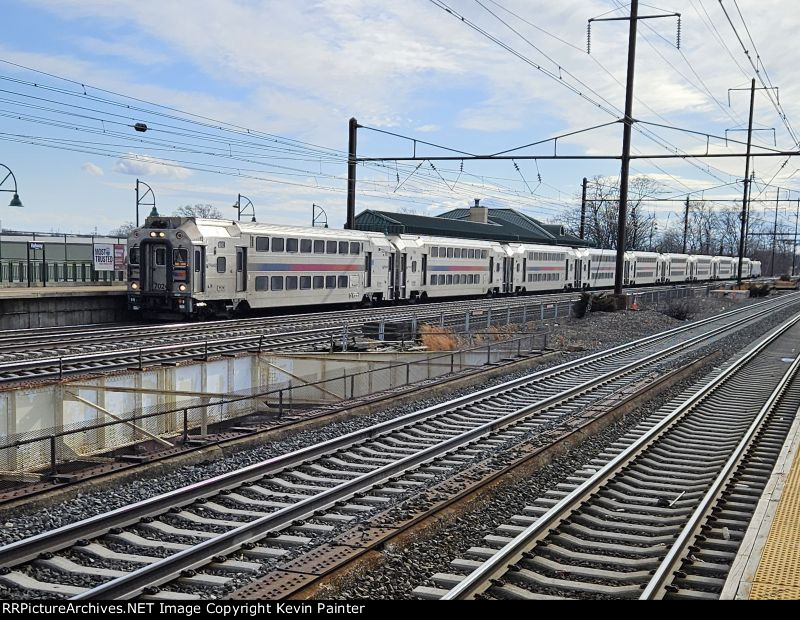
662	512
205	539
22	345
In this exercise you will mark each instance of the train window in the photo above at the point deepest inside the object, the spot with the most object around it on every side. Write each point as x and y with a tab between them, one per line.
343	247
262	283
161	256
330	247
457	253
305	283
305	246
413	266
262	244
449	252
434	252
239	262
133	256
319	282
463	278
221	266
497	268
291	283
330	281
471	279
180	257
319	247
343	281
220	244
277	244
291	245
276	283
449	278
517	267
433	280
197	261
471	253
484	253
355	248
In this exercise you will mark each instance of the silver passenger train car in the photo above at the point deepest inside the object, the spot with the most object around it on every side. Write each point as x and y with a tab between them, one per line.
192	267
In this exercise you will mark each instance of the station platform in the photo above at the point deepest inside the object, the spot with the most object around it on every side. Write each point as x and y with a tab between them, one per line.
53	306
34	292
767	566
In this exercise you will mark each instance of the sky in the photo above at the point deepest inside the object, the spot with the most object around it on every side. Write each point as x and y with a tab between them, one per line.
253	97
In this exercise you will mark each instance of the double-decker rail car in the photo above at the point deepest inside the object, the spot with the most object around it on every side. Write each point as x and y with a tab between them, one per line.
437	267
723	267
190	267
645	267
602	268
677	267
541	267
699	268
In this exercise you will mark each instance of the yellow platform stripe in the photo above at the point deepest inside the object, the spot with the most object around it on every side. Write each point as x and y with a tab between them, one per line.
778	574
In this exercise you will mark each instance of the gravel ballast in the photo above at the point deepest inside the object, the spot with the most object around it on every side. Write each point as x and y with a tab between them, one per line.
597	331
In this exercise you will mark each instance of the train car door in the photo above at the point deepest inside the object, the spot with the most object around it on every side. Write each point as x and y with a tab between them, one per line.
199	270
524	272
491	269
403	274
714	270
241	269
391	276
424	269
155	268
626	272
508	274
691	271
578	272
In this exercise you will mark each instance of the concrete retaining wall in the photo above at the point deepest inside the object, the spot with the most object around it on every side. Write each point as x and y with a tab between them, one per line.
26	313
43	411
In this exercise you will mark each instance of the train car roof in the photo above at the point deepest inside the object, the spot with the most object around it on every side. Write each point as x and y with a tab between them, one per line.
272	229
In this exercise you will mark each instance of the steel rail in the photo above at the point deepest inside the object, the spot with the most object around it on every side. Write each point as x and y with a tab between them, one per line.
11	341
160	572
480	579
20	551
656	587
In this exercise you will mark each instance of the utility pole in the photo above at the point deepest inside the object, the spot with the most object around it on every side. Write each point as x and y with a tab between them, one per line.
746	182
794	245
583	208
774	234
626	148
628	121
685	224
351	175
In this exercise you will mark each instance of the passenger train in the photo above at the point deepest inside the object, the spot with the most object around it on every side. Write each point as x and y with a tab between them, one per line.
193	267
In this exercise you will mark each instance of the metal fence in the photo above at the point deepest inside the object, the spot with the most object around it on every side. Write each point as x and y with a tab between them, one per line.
50	452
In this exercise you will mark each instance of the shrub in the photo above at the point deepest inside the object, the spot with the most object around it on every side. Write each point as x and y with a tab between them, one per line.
681	309
759	290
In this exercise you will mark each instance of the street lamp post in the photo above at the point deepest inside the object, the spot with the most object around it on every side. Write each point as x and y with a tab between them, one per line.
318	216
15	201
140	200
242	209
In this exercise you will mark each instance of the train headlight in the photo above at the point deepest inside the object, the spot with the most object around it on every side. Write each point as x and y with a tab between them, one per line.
182	287
154	234
162	234
134	286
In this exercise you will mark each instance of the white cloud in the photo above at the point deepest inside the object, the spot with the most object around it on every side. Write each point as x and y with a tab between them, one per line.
430	127
92	169
144	165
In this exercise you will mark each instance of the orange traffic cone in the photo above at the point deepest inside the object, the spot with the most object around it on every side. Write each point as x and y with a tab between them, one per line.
634	304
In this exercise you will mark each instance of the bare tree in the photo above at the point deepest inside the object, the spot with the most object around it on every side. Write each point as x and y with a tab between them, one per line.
123	230
199	210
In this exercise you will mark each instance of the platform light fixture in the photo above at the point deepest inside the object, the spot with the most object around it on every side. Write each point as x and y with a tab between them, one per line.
241	209
15	201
